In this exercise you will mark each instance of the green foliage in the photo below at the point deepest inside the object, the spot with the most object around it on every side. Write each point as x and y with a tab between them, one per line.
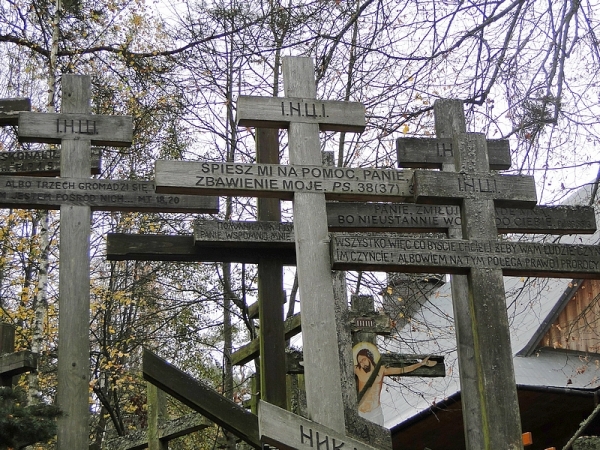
22	425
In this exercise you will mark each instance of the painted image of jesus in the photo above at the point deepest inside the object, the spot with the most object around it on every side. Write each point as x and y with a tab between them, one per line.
370	375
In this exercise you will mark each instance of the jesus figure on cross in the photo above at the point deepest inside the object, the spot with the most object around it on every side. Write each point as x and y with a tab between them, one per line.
369	373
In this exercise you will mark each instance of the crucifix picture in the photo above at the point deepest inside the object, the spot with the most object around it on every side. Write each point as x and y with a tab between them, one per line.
370	370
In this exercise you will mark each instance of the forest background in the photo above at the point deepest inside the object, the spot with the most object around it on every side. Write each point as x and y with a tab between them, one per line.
527	70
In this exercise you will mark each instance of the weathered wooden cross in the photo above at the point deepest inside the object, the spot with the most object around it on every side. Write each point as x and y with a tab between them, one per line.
76	195
308	183
490	405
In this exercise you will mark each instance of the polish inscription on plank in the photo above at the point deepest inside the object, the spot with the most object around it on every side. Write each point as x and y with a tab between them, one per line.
409	218
234	234
39	162
270	180
99	195
286	430
397	253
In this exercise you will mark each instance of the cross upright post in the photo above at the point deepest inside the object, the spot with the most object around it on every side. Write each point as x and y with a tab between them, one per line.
323	390
74	281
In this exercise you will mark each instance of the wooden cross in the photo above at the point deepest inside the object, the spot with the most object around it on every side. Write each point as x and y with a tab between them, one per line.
307	181
76	195
487	376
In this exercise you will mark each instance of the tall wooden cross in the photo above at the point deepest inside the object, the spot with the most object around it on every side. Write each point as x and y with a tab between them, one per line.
304	180
487	377
76	195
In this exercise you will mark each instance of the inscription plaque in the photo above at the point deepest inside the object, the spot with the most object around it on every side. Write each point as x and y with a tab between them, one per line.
99	195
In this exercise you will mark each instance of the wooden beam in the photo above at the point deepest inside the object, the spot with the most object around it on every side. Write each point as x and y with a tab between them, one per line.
201	398
99	195
433	153
10	108
153	247
244	234
277	112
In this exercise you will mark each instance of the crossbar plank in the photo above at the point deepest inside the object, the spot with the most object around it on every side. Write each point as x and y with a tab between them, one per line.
52	128
152	247
433	153
452	188
277	112
201	398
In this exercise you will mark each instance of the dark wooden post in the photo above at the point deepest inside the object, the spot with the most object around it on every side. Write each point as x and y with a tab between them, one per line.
7	345
270	289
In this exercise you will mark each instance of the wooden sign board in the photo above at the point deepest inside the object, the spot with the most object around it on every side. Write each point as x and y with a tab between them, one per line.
10	109
271	180
99	195
412	218
39	162
288	431
244	234
52	128
395	253
432	153
278	112
452	188
153	247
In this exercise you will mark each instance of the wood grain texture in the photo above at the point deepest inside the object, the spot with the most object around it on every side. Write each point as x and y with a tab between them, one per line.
50	128
201	398
274	112
433	153
98	195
